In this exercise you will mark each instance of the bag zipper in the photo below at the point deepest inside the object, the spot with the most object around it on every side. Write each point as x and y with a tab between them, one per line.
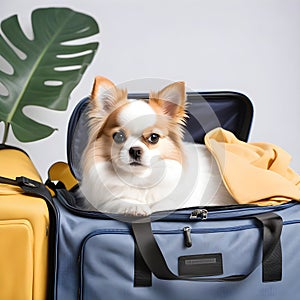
185	214
224	212
199	214
187	236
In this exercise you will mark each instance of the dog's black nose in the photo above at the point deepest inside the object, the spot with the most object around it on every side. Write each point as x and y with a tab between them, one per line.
136	153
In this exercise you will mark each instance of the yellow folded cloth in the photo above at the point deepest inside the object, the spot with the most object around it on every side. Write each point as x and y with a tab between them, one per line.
253	173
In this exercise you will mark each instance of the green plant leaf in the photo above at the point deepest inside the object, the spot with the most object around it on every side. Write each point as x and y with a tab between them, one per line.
55	60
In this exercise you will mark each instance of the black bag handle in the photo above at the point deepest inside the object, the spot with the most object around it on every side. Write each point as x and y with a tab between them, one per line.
271	260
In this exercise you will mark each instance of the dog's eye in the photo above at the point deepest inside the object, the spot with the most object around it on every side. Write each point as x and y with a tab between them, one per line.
153	138
119	137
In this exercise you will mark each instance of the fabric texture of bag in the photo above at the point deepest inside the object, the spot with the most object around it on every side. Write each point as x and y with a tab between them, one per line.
222	253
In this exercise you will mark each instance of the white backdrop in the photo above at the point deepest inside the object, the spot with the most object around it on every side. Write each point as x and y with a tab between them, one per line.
248	46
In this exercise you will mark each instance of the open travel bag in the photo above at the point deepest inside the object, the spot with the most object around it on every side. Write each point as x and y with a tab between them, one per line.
213	253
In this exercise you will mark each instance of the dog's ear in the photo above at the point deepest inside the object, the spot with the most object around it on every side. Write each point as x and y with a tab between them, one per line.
172	99
105	94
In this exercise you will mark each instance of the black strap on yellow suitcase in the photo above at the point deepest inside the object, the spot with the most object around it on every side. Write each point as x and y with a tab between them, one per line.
29	186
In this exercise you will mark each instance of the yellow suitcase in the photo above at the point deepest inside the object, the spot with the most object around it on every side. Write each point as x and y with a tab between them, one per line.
24	229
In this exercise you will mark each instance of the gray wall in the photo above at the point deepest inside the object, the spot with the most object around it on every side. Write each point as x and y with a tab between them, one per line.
249	46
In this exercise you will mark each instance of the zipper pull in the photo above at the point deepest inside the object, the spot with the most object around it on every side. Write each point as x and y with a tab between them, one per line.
199	214
187	236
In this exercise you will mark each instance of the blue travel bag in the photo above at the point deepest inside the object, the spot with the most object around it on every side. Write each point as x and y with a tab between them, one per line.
213	253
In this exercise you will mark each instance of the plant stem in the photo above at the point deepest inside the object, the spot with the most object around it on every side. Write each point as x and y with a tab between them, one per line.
6	129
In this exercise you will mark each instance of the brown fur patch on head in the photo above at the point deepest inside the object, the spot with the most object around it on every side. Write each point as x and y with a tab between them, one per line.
172	101
105	96
171	134
105	101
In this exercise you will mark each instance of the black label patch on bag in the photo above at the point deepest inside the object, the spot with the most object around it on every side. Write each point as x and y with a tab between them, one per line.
200	265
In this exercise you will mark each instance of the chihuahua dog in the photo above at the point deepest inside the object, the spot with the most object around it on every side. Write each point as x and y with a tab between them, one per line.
135	161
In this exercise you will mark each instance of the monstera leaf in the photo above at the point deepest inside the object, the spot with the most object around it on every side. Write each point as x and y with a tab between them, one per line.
46	68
